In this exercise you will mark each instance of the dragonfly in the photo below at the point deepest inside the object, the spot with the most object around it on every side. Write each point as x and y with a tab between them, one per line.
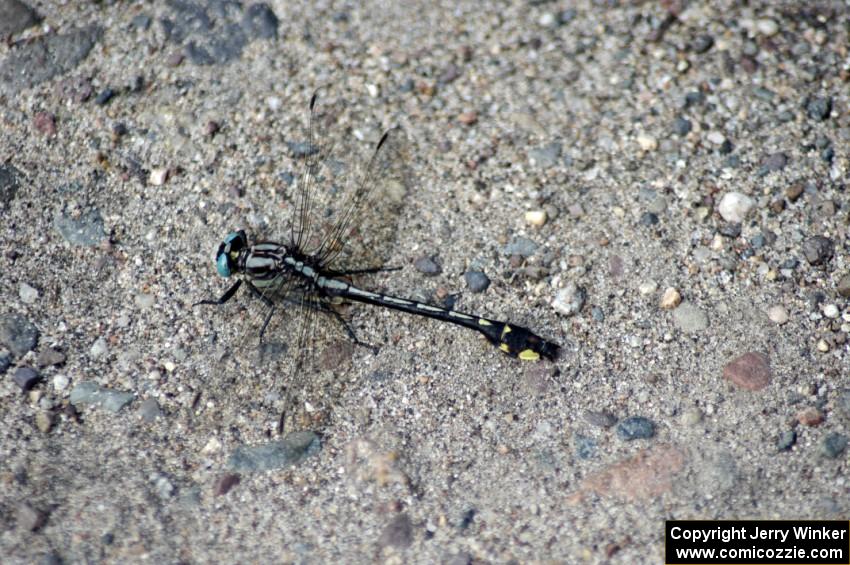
306	274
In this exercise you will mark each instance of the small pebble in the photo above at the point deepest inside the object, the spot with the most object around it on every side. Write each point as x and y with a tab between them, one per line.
786	440
26	378
823	346
635	427
44	421
159	177
843	287
834	445
767	27
647	142
775	162
30	519
50	356
600	419
831	311
17	334
468	118
811	417
690	318
225	483
715	137
60	382
291	450
476	281
427	266
735	206
818	250
569	300
777	314
104	97
521	246
682	126
647	287
149	410
98	348
819	108
750	371
670	299
536	217
27	293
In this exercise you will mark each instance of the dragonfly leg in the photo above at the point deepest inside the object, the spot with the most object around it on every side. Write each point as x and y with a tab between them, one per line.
224	297
265	299
349	330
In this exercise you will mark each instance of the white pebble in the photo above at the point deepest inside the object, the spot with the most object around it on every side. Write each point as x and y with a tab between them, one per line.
830	311
60	382
648	287
647	142
98	348
823	346
735	206
716	137
158	176
777	314
27	293
767	27
536	217
670	299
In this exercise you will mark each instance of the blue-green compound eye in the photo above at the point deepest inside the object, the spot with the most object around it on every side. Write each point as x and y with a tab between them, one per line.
233	243
222	265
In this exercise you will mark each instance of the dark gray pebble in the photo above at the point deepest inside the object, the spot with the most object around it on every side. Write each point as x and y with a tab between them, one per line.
758	241
682	126
694	98
818	250
9	184
104	97
635	427
726	147
291	450
16	16
397	533
600	419
45	57
834	445
427	266
545	156
225	483
648	219
149	410
26	378
17	334
819	107
476	281
732	229
260	22
775	162
84	231
141	22
520	246
786	440
843	287
5	361
702	44
50	356
585	447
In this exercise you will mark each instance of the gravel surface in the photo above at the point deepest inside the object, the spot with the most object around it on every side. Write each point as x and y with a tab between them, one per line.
660	187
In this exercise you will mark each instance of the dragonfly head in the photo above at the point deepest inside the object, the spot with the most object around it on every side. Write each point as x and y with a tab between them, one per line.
228	252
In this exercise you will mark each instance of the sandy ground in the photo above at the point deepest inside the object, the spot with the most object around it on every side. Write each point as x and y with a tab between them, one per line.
685	169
